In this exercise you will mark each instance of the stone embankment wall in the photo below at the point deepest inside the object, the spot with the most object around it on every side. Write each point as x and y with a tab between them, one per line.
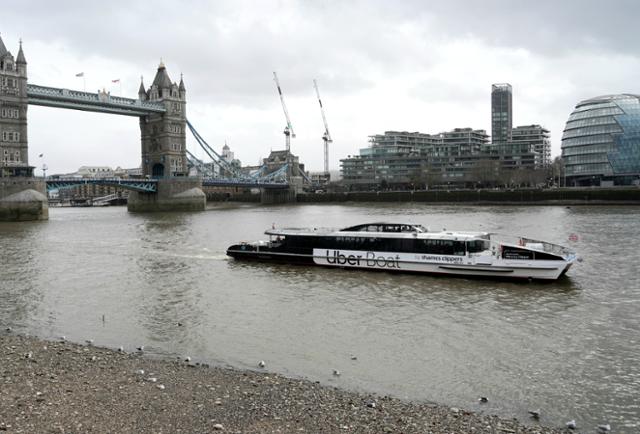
560	196
232	197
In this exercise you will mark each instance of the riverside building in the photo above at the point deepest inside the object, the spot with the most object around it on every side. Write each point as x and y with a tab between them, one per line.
400	158
463	157
601	141
528	148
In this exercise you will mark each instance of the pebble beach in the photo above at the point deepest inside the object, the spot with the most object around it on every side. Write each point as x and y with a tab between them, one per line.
62	387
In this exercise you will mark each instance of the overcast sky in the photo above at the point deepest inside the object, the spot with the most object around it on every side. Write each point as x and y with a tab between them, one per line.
417	65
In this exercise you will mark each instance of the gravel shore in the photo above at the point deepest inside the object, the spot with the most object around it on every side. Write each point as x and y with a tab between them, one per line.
60	387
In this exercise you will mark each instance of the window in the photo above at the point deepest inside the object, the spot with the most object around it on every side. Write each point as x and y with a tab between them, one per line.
441	247
476	246
10	136
10	113
9	82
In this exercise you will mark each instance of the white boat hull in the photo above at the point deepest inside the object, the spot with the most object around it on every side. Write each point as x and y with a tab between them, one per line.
442	264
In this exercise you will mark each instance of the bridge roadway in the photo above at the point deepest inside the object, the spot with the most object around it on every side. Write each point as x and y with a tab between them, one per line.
101	102
151	185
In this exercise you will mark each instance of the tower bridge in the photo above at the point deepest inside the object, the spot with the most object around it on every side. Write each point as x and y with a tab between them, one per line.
161	110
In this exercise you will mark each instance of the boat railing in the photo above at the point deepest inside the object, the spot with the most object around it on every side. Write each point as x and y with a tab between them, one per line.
531	243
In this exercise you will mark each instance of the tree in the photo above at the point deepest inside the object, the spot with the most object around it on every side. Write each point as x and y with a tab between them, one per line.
485	172
557	171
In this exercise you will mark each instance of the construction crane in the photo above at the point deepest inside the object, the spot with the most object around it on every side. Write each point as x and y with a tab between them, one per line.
288	130
326	137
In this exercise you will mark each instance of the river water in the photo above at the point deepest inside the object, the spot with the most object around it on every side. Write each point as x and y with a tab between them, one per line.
570	348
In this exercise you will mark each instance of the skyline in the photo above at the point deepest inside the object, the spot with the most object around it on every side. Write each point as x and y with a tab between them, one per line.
403	68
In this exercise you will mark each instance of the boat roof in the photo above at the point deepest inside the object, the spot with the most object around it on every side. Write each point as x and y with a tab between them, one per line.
378	230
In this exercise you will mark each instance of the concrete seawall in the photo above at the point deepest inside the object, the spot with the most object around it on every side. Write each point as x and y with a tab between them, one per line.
560	196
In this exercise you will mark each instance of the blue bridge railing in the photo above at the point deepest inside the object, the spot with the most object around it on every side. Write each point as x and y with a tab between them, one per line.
142	185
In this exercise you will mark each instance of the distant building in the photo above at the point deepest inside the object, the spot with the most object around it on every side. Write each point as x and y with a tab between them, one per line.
14	156
277	159
229	157
601	141
529	148
227	154
501	113
534	139
405	158
91	191
320	179
94	172
522	147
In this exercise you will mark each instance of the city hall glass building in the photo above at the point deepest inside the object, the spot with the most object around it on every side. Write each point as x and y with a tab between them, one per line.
601	141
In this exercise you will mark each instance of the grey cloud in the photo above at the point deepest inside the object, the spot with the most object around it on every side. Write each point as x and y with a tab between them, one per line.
229	52
549	27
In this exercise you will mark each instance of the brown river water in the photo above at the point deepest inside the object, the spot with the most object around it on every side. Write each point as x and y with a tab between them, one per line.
570	347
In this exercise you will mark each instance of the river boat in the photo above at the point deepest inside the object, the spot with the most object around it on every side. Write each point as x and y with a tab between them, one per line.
412	248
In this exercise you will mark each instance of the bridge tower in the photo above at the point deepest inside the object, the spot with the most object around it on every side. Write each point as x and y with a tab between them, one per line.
21	195
164	134
164	150
14	154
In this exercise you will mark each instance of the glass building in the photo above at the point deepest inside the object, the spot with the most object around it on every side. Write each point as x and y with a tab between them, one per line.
601	141
501	113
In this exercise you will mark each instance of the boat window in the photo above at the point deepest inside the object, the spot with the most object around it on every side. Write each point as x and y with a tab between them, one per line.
441	247
475	246
388	227
509	252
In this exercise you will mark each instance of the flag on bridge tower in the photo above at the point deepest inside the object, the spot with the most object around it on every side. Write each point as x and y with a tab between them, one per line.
117	80
80	74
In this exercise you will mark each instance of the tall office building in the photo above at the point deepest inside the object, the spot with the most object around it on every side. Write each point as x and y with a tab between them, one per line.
501	113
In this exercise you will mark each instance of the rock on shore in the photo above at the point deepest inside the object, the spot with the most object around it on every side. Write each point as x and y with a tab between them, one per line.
60	387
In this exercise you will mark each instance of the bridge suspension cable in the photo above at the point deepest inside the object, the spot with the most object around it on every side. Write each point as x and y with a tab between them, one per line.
199	164
256	178
215	157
